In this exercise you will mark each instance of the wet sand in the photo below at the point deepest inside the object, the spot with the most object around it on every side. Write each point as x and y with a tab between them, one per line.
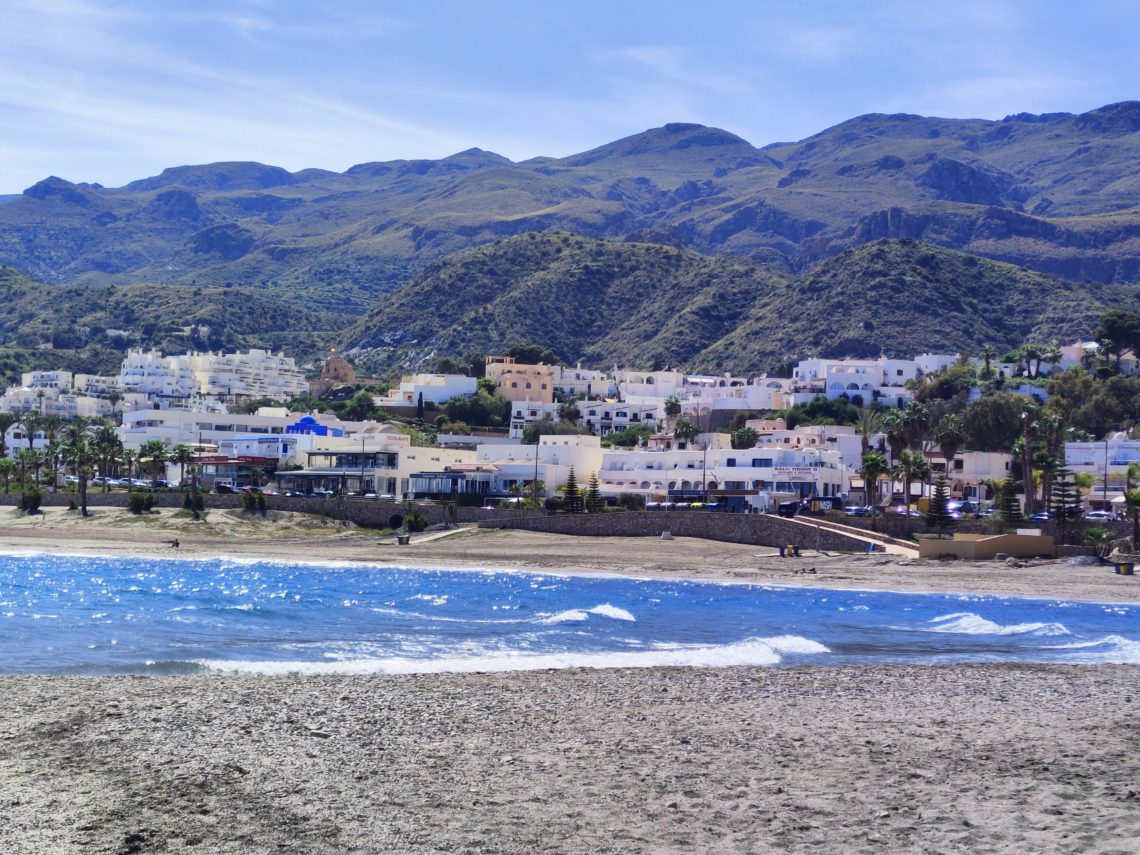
1012	758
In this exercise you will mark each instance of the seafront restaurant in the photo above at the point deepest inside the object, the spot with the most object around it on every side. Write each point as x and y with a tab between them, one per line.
343	473
467	484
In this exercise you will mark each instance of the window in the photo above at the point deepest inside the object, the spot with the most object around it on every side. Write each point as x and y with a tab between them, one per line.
762	462
730	462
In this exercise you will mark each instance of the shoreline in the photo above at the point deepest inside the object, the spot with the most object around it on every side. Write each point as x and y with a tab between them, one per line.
116	533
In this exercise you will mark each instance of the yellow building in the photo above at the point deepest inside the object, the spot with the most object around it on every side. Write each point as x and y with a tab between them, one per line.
519	382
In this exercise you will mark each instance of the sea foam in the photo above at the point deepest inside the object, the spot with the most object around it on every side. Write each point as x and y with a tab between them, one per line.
1111	649
752	651
968	623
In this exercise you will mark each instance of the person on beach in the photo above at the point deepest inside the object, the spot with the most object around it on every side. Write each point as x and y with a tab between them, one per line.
174	543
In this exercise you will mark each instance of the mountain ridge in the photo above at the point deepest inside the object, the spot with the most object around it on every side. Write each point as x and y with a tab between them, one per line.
1072	180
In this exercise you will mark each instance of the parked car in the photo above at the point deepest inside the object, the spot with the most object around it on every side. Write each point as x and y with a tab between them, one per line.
224	487
1100	515
1041	516
857	511
902	511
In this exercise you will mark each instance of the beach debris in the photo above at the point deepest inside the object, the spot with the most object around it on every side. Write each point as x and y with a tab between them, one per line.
665	535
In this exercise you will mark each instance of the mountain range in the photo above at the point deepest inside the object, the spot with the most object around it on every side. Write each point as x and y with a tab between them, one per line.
738	233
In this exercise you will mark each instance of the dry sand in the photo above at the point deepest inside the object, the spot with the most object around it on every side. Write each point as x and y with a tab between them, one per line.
878	759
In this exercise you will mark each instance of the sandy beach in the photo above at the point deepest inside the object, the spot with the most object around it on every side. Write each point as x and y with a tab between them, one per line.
1010	758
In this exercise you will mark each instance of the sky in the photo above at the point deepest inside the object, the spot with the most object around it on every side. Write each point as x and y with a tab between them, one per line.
109	92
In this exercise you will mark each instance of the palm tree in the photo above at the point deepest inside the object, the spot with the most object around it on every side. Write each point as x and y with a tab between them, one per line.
114	396
912	466
108	446
869	424
32	423
874	467
7	468
672	407
129	458
183	455
1028	418
917	419
153	456
31	459
80	453
893	424
685	431
1132	503
989	354
950	436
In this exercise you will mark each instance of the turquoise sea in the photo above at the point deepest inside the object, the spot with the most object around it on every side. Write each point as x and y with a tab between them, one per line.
89	615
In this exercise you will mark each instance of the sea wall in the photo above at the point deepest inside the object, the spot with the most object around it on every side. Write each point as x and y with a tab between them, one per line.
760	529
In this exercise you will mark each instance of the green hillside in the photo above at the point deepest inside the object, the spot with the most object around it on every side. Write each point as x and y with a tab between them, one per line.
78	326
644	304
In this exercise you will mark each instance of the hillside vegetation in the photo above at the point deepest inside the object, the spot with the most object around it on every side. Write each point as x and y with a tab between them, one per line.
75	326
643	304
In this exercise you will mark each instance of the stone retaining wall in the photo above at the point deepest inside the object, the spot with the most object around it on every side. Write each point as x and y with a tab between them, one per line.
760	529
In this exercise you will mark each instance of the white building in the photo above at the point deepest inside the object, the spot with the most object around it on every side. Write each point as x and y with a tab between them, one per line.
225	376
869	379
524	413
606	417
749	479
578	381
435	388
551	460
1107	461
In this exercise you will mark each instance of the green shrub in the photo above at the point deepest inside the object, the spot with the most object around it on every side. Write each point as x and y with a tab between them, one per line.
262	504
72	505
136	503
199	502
187	502
249	502
416	522
631	501
30	500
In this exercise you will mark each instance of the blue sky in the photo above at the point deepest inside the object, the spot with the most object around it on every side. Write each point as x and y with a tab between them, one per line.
96	90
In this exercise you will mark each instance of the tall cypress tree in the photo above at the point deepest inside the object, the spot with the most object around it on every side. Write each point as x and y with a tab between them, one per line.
1064	501
938	513
594	502
1008	505
572	499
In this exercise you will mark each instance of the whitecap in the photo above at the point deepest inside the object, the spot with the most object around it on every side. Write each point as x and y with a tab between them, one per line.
752	651
1114	649
606	610
968	623
565	617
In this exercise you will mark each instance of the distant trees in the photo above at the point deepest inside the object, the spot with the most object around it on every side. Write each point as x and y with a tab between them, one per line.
744	438
483	409
1118	331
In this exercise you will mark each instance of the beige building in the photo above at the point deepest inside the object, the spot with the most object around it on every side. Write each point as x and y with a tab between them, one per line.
520	382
